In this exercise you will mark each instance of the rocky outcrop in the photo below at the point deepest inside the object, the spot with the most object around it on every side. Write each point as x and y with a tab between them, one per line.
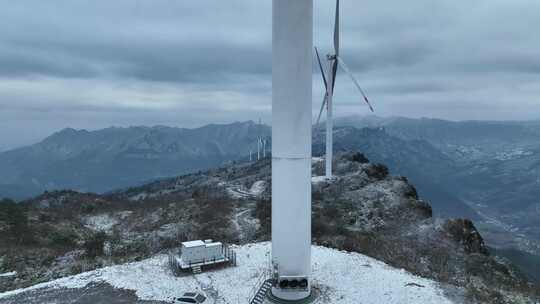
464	232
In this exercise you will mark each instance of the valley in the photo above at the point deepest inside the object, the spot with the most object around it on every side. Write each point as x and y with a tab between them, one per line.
493	169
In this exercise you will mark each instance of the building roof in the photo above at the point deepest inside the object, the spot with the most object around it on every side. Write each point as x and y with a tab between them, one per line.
213	244
190	244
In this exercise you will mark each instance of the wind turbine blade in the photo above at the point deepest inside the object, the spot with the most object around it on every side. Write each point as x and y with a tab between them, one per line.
321	67
336	30
346	69
322	108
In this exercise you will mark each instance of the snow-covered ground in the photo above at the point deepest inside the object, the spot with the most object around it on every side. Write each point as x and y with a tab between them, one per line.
240	192
512	154
8	274
319	179
341	277
102	222
315	160
258	188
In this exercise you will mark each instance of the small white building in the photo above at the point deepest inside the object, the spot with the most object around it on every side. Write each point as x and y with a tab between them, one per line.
197	254
194	252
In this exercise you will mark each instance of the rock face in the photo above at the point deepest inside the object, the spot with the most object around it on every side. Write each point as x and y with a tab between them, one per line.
417	159
464	232
363	209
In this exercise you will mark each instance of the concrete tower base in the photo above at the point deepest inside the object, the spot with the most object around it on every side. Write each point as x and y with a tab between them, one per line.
271	299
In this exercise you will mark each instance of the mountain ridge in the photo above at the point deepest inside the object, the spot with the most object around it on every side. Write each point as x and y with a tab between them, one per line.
363	209
115	157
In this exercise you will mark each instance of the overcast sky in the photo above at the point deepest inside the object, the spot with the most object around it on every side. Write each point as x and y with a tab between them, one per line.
96	63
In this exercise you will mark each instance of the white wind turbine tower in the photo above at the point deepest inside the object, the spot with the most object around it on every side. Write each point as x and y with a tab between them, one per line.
264	147
259	148
329	79
292	51
260	143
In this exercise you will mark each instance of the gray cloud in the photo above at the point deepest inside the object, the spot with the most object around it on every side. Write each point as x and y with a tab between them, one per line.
91	64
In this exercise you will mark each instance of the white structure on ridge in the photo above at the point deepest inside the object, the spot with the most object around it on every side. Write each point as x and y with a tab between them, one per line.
329	79
261	142
199	251
292	51
259	148
263	147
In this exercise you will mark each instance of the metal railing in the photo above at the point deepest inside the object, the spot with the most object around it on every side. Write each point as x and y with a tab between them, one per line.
263	277
229	256
266	274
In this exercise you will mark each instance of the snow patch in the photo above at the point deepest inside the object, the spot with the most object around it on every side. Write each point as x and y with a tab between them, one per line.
512	154
319	179
8	274
139	196
124	214
240	192
342	277
102	222
258	188
317	160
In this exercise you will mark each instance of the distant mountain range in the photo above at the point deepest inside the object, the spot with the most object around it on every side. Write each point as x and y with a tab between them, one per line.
103	160
460	139
494	169
488	171
112	158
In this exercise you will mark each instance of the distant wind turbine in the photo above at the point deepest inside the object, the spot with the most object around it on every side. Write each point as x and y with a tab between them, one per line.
329	79
259	148
261	142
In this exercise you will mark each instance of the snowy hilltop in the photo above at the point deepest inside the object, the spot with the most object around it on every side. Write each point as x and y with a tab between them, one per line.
363	210
338	276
